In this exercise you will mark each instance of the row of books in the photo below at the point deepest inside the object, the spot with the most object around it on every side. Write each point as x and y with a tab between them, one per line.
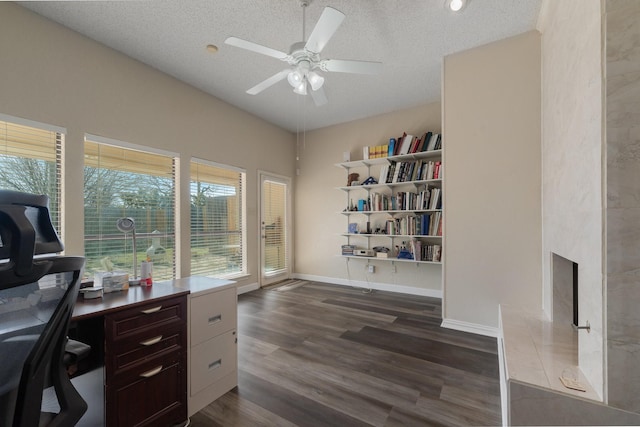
419	225
427	199
418	251
406	144
410	144
410	171
375	151
425	252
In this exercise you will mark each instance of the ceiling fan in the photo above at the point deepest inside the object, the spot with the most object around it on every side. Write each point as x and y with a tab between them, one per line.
304	58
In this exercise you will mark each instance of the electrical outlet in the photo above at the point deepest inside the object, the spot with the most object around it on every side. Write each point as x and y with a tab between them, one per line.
371	268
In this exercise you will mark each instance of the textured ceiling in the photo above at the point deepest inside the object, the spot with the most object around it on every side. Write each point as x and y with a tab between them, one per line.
409	36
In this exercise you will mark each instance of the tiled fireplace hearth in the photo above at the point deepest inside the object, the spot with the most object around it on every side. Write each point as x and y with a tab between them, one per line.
534	354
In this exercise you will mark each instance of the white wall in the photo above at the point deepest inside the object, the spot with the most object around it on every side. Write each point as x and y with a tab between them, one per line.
572	162
56	76
318	203
491	123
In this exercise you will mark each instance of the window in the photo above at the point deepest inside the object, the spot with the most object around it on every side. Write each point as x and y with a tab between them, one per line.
218	233
274	218
30	160
122	180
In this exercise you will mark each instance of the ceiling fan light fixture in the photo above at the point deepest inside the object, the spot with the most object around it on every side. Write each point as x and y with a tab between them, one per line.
455	5
315	80
294	78
301	89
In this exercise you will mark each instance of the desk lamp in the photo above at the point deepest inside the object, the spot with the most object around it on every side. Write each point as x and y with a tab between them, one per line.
128	225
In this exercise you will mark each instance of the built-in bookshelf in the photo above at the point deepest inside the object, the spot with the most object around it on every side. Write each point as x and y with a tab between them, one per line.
393	205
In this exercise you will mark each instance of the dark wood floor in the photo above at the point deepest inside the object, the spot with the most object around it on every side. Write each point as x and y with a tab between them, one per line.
325	355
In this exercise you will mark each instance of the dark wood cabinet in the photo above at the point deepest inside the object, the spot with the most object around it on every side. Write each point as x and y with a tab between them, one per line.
146	371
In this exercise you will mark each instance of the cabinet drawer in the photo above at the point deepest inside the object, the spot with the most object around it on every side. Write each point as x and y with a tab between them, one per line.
212	314
212	360
129	353
155	396
156	315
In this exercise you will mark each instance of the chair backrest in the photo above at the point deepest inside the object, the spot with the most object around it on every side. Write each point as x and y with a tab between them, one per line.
37	296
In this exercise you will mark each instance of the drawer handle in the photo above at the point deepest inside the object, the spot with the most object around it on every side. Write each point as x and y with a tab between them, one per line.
215	319
152	372
152	310
151	341
215	364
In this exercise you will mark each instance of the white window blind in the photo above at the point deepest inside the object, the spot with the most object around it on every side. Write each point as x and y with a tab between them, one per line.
124	182
274	217
217	220
30	161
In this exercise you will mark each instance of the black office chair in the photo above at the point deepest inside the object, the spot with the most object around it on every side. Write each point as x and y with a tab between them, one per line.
37	296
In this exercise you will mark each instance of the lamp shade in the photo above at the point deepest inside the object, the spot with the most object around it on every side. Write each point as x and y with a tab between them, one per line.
294	78
301	89
315	80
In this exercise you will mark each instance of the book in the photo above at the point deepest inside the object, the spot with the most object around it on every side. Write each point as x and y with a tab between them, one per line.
384	173
348	249
406	144
427	138
437	253
414	145
432	142
439	143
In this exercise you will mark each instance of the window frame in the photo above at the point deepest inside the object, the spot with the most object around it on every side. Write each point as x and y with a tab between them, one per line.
56	208
175	157
242	211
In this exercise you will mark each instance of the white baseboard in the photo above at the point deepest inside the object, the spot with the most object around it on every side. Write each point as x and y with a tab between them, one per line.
473	328
247	288
390	287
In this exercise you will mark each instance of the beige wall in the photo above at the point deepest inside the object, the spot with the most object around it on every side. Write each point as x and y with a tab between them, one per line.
572	162
53	75
491	123
318	204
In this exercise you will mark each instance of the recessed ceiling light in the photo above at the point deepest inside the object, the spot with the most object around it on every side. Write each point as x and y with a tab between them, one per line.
455	5
212	48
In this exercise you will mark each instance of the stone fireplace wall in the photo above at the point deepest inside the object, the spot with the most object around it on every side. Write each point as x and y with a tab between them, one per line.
623	203
572	153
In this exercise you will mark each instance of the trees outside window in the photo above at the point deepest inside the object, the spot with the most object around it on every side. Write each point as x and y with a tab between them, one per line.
126	182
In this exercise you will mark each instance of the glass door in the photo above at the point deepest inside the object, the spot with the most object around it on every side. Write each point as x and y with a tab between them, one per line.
274	228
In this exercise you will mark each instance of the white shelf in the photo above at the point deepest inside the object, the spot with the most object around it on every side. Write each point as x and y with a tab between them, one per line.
402	236
394	212
384	160
436	182
390	259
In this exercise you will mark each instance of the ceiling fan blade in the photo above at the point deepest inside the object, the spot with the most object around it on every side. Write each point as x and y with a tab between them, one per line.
328	23
347	66
268	82
319	97
254	47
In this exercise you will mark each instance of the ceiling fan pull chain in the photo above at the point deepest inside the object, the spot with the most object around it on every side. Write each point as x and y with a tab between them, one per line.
304	9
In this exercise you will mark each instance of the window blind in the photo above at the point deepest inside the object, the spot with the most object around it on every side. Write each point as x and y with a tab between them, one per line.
31	162
218	234
274	218
124	182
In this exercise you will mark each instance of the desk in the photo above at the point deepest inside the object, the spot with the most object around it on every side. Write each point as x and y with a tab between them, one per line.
138	344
